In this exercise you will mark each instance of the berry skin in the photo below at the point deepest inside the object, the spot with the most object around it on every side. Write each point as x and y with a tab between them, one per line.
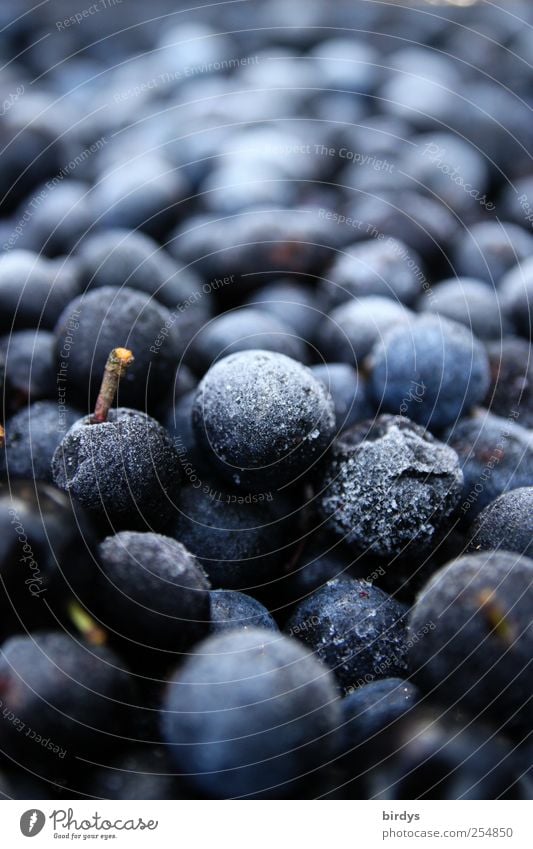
60	220
238	539
120	258
30	365
495	455
427	756
370	709
348	390
178	421
184	381
322	558
440	357
46	554
353	328
419	86
421	223
139	773
91	325
390	487
32	436
232	610
374	269
290	302
131	258
488	250
478	654
263	418
347	64
263	243
516	291
511	389
67	692
434	161
469	302
355	628
506	523
151	591
146	196
241	330
119	469
248	714
370	713
29	296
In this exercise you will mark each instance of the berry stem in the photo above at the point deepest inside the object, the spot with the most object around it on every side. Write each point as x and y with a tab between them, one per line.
496	617
85	624
117	363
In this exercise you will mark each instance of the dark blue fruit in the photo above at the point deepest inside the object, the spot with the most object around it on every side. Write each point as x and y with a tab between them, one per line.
32	436
495	454
390	488
428	756
355	628
238	539
348	390
120	469
232	610
243	330
151	592
432	370
96	322
63	691
249	714
263	418
507	522
478	654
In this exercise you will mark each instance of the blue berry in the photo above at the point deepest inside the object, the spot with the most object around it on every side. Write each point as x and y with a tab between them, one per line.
490	249
232	610
31	364
120	469
355	628
237	538
511	389
390	488
348	390
94	323
32	436
507	522
146	196
263	419
151	591
432	370
29	295
469	302
291	302
516	292
477	646
133	259
249	714
495	454
430	756
384	269
46	555
138	773
371	714
352	329
60	220
242	330
69	693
